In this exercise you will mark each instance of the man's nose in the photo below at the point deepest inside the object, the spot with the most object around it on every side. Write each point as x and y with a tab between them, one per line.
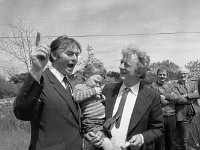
74	57
121	66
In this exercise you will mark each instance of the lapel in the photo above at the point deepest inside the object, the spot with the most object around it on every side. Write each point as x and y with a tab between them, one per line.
65	94
112	96
142	103
188	86
182	89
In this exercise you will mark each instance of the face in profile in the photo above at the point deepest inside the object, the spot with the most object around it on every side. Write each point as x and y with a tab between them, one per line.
128	68
162	76
94	81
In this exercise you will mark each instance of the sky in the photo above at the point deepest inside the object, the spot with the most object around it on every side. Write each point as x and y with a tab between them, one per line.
111	25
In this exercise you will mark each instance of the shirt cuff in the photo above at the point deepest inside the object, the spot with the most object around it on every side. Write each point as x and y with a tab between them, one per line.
142	138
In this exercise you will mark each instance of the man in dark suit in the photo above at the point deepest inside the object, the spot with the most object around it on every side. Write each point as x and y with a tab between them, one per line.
46	97
141	120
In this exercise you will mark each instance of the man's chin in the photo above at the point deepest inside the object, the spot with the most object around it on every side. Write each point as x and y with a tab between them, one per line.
122	78
69	71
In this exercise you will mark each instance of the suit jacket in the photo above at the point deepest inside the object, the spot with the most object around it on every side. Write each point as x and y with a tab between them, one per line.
189	88
52	112
146	119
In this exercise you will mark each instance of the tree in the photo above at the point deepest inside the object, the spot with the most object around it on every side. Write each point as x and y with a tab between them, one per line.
170	66
18	78
79	76
19	44
167	64
194	67
90	57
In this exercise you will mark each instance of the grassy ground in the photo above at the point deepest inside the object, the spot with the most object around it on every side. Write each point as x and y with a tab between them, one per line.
14	134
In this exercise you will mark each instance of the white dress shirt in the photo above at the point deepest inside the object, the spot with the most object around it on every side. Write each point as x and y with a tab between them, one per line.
58	75
119	135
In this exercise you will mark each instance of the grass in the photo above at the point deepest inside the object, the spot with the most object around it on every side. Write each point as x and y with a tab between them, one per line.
14	134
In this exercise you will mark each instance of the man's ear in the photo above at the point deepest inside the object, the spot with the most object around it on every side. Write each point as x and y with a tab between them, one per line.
53	55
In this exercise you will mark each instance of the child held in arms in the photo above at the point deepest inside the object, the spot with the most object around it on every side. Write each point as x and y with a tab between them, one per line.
91	101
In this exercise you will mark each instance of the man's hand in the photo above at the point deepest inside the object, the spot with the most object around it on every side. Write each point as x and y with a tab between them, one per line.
163	97
95	139
136	142
185	95
39	59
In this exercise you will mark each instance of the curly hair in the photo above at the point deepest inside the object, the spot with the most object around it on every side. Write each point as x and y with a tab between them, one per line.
143	60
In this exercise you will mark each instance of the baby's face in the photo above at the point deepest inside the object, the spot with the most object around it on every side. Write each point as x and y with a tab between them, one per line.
94	81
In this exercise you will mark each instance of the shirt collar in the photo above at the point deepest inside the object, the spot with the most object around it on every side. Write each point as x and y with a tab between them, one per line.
58	75
134	88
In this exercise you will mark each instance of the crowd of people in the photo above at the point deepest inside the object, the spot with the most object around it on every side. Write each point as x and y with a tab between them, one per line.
115	116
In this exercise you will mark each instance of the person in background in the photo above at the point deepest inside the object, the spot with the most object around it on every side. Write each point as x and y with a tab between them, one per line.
188	94
193	140
45	98
90	99
133	111
168	100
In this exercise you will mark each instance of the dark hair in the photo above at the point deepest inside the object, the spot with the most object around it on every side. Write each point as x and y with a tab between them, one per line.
92	69
63	42
162	69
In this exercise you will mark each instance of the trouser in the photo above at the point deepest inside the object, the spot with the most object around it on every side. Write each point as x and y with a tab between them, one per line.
167	140
169	132
182	131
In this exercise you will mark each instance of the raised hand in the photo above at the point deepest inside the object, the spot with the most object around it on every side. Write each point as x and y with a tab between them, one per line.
39	59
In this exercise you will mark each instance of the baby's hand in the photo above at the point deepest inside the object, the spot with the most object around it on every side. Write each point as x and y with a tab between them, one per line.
98	90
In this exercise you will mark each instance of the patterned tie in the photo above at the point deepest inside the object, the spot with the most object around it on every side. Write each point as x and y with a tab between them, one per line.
117	117
67	84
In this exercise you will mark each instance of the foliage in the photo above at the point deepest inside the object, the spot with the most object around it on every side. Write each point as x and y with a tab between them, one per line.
19	45
15	134
113	76
172	67
90	57
18	78
90	60
7	89
194	67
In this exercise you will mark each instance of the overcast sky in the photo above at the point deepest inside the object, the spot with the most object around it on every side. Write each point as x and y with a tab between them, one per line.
129	18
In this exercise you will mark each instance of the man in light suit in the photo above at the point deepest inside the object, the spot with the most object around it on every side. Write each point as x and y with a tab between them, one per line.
188	96
46	97
141	121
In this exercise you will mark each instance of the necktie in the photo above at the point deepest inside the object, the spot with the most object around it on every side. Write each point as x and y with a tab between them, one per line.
67	84
117	117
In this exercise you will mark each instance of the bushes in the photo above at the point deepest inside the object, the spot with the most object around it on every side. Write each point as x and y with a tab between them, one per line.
7	89
15	134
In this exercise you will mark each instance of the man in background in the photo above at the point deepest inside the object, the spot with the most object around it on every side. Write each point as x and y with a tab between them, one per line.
168	100
188	94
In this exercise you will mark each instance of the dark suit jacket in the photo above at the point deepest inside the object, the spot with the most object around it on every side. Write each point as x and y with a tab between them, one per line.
146	119
55	120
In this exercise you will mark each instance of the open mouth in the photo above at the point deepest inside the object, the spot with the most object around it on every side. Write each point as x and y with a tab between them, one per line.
70	66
